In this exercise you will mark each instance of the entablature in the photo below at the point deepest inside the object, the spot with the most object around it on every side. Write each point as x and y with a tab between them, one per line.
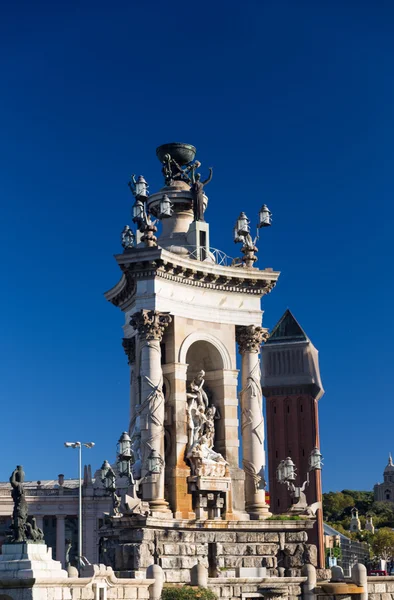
147	263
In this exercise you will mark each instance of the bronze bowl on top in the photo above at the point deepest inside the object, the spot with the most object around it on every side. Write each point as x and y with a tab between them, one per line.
182	153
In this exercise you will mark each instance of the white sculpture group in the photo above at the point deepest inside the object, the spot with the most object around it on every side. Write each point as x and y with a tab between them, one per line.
204	461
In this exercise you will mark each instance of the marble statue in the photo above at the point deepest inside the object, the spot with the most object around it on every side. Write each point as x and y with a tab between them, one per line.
201	417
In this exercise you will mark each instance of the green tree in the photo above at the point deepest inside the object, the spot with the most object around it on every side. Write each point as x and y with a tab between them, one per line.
335	504
382	543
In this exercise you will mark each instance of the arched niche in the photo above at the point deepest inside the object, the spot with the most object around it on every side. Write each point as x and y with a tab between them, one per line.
202	351
211	341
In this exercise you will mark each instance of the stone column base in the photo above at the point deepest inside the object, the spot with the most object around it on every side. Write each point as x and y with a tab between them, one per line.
258	511
160	508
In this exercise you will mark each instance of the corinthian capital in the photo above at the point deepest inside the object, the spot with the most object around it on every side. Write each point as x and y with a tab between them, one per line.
250	338
129	348
150	324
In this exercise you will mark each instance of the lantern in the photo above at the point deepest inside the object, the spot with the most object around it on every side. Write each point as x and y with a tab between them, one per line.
165	207
265	215
155	462
141	187
124	446
127	238
138	212
315	460
124	454
242	225
279	472
289	471
104	469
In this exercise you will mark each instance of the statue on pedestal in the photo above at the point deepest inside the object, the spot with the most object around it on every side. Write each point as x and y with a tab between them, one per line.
197	190
24	528
203	459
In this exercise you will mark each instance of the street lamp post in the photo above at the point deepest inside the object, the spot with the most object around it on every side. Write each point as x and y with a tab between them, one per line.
286	473
79	446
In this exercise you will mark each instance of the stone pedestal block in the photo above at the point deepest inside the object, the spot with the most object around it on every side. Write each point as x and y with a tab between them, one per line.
25	561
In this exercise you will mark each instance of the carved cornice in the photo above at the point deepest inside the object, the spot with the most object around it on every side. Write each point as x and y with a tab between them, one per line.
150	324
129	348
250	338
148	263
123	291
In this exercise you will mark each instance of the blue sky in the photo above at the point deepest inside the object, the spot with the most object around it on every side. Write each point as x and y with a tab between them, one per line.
292	103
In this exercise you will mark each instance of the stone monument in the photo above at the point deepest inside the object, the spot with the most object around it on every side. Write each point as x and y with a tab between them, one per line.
186	308
25	555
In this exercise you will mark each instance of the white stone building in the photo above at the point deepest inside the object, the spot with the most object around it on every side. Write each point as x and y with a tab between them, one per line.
54	504
384	492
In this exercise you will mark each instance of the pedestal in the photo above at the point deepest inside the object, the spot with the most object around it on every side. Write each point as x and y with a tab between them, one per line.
210	496
29	561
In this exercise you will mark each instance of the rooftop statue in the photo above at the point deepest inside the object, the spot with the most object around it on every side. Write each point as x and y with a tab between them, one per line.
197	190
24	528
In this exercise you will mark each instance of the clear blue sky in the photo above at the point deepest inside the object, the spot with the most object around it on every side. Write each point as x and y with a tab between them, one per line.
292	103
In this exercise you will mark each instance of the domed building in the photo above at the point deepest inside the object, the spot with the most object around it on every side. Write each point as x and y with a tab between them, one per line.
384	492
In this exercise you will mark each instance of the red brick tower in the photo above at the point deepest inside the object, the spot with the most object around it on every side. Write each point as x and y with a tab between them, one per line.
292	387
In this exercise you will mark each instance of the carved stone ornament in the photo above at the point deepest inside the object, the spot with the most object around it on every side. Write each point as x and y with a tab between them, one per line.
129	348
250	338
150	324
204	461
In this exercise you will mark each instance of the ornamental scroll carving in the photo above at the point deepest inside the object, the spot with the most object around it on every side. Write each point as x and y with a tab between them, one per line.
150	324
250	338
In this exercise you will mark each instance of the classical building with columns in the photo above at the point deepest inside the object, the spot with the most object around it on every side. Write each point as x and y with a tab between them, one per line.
54	504
188	312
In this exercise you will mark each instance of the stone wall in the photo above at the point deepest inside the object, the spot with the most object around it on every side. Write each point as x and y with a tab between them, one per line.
101	585
235	588
222	547
381	588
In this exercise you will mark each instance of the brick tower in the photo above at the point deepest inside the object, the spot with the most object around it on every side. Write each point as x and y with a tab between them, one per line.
292	387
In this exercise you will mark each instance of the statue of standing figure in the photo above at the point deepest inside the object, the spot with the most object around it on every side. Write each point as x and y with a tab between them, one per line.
24	528
197	190
19	514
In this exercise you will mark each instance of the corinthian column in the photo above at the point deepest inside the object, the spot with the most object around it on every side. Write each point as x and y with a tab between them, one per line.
150	325
252	421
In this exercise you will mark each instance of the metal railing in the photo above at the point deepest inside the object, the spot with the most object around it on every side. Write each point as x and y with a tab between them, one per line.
213	255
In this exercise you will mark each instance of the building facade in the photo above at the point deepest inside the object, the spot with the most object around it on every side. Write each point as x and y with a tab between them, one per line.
54	504
384	492
292	387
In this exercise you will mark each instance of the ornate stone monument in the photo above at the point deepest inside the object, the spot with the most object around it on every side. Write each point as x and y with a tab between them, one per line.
25	555
187	307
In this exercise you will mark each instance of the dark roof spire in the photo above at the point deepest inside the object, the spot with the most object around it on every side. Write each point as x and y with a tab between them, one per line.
287	330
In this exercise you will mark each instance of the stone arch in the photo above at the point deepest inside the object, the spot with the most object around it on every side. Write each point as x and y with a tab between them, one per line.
202	336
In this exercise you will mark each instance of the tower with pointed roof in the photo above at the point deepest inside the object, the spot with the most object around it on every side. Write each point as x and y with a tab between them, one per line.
292	387
384	492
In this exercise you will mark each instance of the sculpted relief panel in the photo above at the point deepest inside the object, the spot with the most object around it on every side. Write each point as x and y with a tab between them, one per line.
201	417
